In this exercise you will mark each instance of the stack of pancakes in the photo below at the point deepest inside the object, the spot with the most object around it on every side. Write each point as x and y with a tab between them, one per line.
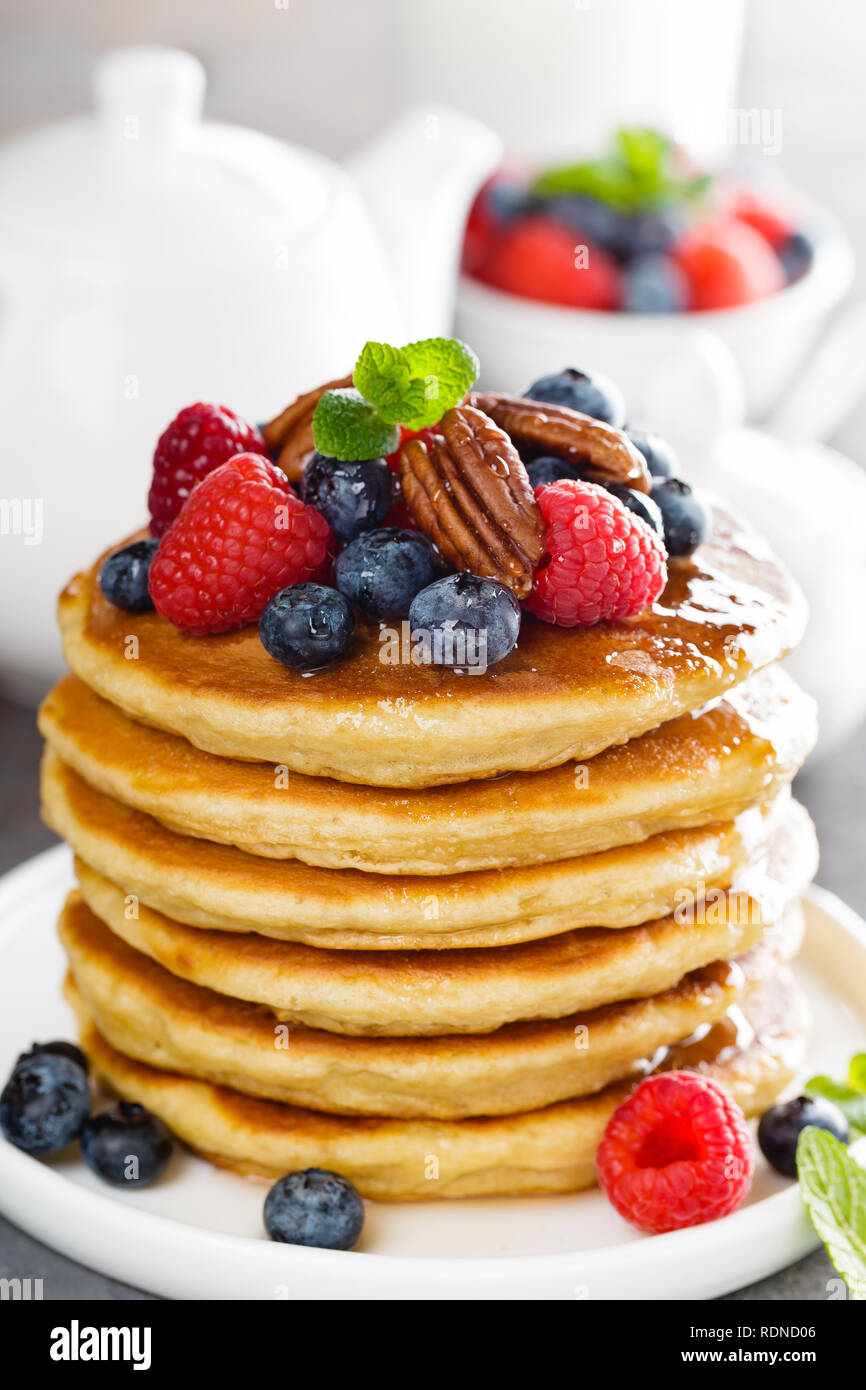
427	927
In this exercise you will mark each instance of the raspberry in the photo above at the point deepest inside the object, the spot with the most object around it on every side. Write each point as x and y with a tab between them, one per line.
538	258
425	435
727	263
676	1153
241	536
770	214
604	562
196	442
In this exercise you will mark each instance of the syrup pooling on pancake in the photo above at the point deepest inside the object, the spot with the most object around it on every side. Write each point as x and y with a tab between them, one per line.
561	694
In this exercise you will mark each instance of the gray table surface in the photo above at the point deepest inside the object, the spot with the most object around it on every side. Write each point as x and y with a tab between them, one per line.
834	791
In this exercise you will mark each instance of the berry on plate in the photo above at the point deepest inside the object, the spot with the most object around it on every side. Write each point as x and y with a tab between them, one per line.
241	537
605	562
683	513
727	263
548	469
640	504
316	1208
196	442
382	571
468	621
781	1126
538	258
352	497
654	284
46	1100
126	1145
125	574
306	626
425	435
59	1048
661	460
676	1153
589	392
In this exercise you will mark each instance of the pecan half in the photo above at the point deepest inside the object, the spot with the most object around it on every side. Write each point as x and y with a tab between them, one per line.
469	492
289	437
603	454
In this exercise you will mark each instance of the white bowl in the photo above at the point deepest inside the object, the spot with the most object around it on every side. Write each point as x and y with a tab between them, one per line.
520	339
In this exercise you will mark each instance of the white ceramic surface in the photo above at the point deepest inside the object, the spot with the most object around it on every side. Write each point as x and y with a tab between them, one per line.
518	339
197	1233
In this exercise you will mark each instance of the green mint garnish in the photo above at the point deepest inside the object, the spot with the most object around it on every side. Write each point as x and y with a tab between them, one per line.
639	172
849	1100
833	1188
415	385
347	427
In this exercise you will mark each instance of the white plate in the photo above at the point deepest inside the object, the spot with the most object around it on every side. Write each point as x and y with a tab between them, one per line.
198	1232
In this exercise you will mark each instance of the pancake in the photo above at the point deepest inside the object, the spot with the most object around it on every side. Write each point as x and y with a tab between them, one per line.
754	1052
208	885
693	770
154	1017
418	993
561	694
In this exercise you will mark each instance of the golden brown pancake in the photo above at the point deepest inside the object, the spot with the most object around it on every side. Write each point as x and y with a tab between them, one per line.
476	990
208	885
154	1017
561	694
699	768
754	1052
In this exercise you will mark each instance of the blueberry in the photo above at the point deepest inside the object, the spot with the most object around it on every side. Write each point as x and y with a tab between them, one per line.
58	1049
683	514
124	575
383	570
306	626
508	201
126	1145
587	217
781	1126
640	504
45	1102
796	255
654	284
466	620
590	394
352	497
646	233
314	1207
661	460
546	470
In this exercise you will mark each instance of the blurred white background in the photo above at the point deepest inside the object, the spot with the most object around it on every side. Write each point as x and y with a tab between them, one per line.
327	73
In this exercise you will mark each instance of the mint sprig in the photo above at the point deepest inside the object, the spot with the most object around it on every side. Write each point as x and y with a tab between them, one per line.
833	1188
412	386
848	1095
638	172
347	427
415	385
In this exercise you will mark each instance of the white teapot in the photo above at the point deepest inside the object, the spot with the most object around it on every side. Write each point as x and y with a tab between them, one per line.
149	259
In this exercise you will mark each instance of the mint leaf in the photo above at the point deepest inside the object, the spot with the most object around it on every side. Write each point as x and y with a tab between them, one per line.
383	374
833	1188
415	385
347	427
850	1099
857	1072
639	172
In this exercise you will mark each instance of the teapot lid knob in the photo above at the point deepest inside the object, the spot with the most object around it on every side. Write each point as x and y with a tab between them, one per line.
149	93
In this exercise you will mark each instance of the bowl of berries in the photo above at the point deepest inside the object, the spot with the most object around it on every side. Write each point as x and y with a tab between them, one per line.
621	258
